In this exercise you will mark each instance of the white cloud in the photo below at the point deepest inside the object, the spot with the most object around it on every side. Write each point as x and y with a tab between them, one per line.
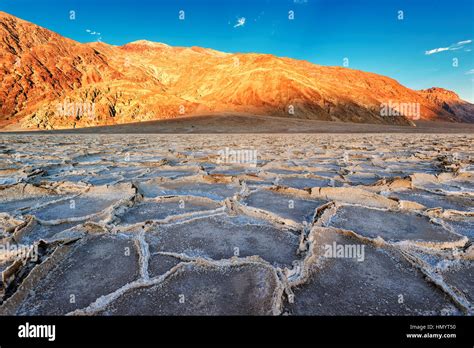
93	32
437	50
453	47
240	22
470	72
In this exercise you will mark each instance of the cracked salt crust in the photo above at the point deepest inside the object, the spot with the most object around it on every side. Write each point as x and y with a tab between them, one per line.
164	219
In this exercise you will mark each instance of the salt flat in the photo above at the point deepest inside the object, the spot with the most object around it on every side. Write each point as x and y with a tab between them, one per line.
164	224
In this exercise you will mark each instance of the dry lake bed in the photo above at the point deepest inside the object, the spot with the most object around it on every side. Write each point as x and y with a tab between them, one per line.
301	224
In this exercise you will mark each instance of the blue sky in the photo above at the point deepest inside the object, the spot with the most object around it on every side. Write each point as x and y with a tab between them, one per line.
367	32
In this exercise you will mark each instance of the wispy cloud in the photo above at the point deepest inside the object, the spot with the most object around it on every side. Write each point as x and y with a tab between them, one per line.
453	47
470	72
92	32
437	50
240	22
95	33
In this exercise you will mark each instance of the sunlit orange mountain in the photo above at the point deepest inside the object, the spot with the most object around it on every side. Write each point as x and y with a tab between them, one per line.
51	82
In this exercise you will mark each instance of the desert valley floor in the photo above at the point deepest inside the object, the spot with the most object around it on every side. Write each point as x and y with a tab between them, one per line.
341	224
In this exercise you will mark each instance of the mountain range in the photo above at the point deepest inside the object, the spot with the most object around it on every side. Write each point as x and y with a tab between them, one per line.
48	81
